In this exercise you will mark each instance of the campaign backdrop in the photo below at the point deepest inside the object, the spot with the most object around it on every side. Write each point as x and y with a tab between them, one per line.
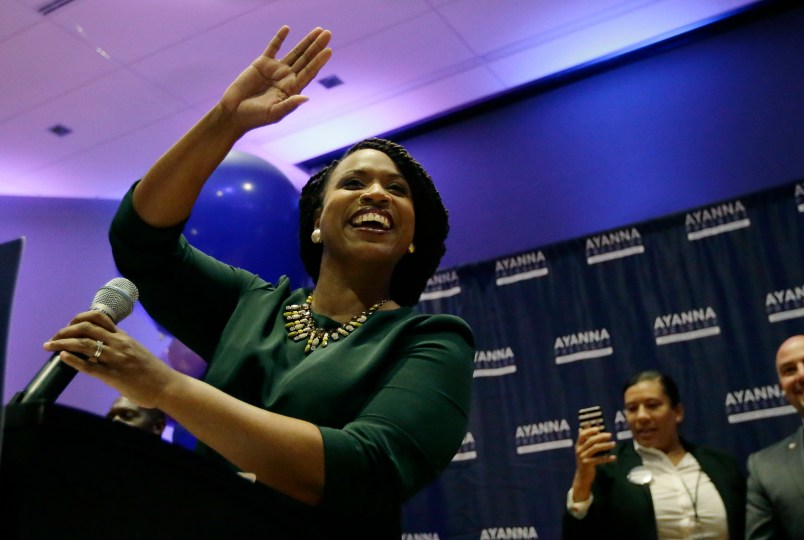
706	296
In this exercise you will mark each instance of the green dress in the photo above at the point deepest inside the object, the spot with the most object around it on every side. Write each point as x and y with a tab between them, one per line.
391	400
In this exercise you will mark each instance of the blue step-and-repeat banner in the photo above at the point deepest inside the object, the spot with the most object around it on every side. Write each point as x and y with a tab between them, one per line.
706	296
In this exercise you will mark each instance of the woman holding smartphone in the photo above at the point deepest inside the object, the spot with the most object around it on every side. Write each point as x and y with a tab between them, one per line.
658	486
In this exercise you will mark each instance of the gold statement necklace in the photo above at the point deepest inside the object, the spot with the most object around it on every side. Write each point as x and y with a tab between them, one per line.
300	324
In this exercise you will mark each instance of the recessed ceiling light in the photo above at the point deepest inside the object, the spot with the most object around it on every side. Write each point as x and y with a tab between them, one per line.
330	82
60	130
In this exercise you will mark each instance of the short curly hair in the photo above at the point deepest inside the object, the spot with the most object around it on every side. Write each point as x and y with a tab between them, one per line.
432	222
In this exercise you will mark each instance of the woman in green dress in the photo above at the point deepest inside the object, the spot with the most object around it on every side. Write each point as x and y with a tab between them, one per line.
343	400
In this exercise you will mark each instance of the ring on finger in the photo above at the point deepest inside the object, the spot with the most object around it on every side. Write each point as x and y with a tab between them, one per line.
99	349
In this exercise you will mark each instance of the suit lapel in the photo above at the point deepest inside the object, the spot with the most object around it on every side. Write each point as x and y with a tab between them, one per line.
644	522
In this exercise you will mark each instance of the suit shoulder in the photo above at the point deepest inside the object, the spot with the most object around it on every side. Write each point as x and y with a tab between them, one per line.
769	451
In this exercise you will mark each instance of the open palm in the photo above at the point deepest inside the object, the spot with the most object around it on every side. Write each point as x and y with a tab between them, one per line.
269	89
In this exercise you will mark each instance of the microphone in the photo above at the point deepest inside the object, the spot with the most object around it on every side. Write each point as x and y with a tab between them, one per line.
115	299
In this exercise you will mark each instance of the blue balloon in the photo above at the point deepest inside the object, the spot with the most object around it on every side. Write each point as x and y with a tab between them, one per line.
247	215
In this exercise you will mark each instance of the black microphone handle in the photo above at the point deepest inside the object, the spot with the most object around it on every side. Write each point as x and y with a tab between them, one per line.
49	383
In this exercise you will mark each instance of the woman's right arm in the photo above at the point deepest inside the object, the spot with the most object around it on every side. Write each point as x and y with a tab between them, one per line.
591	449
575	523
264	93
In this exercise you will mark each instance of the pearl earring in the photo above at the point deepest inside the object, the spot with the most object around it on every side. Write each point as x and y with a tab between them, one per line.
315	236
411	248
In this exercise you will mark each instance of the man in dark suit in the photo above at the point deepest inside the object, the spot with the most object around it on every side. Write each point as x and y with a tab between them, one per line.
775	501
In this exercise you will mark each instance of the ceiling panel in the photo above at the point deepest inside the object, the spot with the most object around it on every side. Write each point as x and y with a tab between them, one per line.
349	21
130	77
129	31
16	18
387	63
90	115
99	171
42	62
492	27
422	103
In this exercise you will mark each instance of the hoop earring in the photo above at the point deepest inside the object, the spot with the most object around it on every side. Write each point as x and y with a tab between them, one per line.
315	236
411	248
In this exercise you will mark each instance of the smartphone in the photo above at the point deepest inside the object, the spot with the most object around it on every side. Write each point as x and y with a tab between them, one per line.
590	417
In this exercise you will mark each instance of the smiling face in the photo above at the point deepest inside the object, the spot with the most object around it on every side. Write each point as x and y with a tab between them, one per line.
651	417
412	272
367	212
790	368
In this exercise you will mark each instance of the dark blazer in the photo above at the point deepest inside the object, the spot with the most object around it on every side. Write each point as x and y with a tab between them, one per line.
775	505
624	510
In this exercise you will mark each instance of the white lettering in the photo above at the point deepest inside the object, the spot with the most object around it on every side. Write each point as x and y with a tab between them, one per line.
612	239
750	395
527	259
542	428
582	338
715	213
685	318
796	294
443	277
508	533
494	355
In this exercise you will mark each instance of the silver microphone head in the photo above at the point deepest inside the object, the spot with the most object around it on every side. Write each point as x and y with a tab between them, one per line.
116	299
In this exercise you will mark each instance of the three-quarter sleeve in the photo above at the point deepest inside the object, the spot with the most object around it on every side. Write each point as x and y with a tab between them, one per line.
187	292
410	428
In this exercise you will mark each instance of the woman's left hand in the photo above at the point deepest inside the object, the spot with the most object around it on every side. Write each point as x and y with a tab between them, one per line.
270	88
114	357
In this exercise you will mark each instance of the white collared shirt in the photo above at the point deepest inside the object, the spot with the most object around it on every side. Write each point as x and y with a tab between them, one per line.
679	493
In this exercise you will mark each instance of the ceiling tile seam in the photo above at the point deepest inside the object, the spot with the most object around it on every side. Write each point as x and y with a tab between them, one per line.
68	91
127	66
480	61
602	59
566	29
201	31
131	66
348	108
348	43
376	98
360	102
76	32
20	31
74	90
483	61
179	98
88	148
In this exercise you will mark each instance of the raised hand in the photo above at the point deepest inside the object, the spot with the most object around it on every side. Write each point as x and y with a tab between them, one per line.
589	452
264	93
270	89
